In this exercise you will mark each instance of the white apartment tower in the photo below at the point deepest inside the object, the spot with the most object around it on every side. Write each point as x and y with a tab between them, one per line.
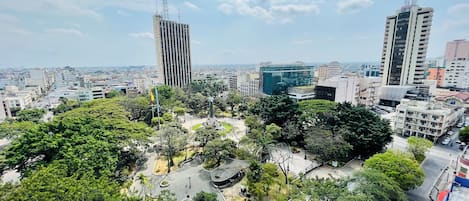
173	52
457	64
405	45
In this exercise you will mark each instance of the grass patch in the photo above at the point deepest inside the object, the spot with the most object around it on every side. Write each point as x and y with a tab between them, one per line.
196	127
228	128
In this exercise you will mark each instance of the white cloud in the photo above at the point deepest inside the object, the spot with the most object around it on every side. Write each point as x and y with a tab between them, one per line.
352	6
459	8
191	5
64	31
225	8
281	11
301	42
142	35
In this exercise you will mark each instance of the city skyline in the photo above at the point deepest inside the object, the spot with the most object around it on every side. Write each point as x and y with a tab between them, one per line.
111	33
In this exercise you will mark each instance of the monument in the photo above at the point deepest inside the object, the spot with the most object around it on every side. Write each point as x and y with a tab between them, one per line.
211	119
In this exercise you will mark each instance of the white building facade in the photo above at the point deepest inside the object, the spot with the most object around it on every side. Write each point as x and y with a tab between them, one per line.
426	119
457	64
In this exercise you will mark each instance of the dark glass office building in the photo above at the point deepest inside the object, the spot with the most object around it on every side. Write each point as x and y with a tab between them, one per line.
276	79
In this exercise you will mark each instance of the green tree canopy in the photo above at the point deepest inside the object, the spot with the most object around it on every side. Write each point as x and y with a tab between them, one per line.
138	107
89	138
113	93
418	147
366	131
311	108
166	195
327	146
65	106
55	184
34	115
399	167
377	185
197	103
276	109
173	139
204	196
464	134
218	150
206	134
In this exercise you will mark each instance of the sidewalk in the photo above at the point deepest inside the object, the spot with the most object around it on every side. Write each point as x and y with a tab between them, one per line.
331	172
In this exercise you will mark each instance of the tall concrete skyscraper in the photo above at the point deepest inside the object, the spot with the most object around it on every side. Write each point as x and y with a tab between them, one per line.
457	64
405	45
173	52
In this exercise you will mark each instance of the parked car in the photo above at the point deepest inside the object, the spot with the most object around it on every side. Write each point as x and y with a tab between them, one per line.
446	141
462	146
450	132
460	125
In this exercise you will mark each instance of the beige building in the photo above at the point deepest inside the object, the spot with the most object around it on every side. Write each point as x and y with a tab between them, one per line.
405	45
457	64
248	84
328	71
173	52
369	90
426	119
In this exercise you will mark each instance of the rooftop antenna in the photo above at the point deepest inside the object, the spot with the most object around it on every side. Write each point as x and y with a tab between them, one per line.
165	9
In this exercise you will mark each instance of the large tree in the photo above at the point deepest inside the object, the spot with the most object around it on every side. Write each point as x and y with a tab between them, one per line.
328	189
206	134
173	139
138	107
55	184
311	108
399	167
377	185
276	109
418	147
198	103
233	100
218	150
326	146
93	137
366	131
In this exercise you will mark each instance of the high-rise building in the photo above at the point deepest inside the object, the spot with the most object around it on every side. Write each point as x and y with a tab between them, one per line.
277	79
457	64
328	71
173	52
405	45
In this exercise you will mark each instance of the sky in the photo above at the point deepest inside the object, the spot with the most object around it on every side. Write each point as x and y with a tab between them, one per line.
54	33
